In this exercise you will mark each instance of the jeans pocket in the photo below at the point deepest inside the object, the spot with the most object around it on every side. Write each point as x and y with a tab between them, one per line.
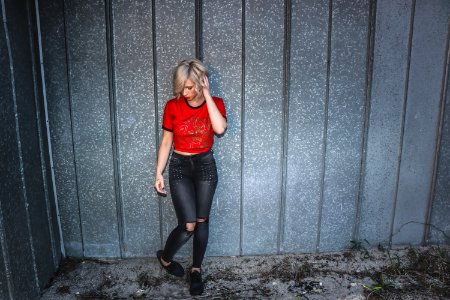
174	161
208	171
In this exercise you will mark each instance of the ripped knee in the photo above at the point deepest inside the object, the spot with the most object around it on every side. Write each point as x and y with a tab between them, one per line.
190	226
202	223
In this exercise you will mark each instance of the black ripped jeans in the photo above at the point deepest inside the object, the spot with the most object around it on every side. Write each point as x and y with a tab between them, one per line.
193	181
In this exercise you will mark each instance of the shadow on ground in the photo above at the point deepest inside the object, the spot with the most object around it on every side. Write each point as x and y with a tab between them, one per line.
404	273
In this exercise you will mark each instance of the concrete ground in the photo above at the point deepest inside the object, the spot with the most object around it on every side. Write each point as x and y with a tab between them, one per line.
405	273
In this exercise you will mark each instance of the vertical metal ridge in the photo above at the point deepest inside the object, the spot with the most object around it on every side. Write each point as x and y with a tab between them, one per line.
325	125
4	246
19	150
426	234
199	29
285	119
109	19
33	36
241	237
5	253
403	119
69	90
47	127
367	108
157	129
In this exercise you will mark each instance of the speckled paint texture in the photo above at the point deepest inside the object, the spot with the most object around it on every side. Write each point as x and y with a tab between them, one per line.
385	123
14	233
222	53
345	130
25	236
264	36
175	41
33	180
243	44
60	122
90	104
308	79
441	203
360	143
134	82
421	120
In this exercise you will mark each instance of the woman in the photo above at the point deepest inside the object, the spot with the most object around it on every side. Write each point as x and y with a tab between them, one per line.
189	123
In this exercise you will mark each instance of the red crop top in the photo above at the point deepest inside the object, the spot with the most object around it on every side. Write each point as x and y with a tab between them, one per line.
191	126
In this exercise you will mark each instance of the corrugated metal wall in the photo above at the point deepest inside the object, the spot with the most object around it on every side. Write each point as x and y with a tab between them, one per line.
336	120
30	245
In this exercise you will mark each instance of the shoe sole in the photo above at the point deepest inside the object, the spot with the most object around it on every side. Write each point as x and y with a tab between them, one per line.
159	256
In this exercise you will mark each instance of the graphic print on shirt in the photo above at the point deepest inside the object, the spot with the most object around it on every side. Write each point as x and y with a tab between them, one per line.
191	126
195	132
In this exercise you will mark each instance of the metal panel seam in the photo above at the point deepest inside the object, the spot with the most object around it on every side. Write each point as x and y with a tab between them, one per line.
198	29
241	236
367	107
47	127
32	42
5	250
109	19
2	228
403	118
157	128
285	120
438	139
19	149
325	125
66	44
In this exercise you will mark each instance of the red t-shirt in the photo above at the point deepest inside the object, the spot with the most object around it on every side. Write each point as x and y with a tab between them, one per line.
191	126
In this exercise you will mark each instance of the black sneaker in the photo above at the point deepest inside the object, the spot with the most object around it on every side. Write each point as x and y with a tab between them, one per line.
174	268
197	285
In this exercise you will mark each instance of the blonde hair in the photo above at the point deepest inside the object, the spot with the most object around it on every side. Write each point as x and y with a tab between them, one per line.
192	69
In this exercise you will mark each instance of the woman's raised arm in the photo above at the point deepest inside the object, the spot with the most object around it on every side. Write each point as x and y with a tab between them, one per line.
219	123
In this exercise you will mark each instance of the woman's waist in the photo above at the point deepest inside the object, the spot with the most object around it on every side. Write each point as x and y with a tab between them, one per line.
189	155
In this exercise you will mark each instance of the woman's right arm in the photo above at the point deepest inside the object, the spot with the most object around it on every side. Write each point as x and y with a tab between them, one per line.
163	156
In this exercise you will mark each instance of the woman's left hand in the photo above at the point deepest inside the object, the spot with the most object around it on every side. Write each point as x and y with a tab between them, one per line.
205	85
218	122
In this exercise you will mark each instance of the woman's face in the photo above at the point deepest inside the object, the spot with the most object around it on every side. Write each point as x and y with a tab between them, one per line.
189	91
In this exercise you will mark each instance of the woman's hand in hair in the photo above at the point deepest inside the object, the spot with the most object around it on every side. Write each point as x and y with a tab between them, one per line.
218	122
205	86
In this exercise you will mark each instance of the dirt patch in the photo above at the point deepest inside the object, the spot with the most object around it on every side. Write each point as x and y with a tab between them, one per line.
405	273
421	271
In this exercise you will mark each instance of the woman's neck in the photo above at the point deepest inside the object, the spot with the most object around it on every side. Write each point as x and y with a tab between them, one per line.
197	101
